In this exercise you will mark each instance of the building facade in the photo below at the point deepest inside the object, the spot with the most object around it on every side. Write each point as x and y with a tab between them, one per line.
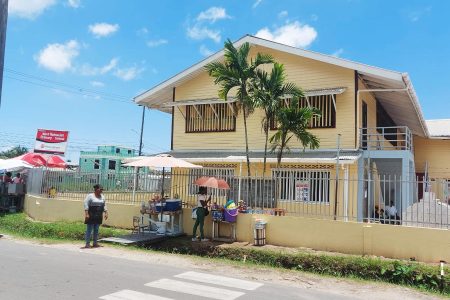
371	119
105	159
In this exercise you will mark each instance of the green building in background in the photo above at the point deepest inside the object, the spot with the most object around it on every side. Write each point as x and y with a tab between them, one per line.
104	166
107	159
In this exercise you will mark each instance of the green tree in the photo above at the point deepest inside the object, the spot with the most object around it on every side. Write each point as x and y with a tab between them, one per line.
293	120
236	72
13	152
268	91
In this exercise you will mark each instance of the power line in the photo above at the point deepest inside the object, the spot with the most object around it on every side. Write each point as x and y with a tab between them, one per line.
79	92
64	84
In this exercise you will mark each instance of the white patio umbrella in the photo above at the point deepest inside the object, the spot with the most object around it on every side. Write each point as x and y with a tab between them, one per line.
162	161
14	165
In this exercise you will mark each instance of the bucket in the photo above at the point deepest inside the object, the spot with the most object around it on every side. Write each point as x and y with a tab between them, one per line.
217	215
230	215
160	228
173	205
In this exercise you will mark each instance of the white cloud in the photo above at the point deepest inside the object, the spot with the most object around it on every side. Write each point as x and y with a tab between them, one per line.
213	14
338	52
200	33
97	84
58	57
416	15
282	14
292	34
156	43
103	29
89	70
142	32
257	2
205	51
74	3
29	9
128	74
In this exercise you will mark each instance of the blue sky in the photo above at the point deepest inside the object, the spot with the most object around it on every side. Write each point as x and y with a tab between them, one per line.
76	64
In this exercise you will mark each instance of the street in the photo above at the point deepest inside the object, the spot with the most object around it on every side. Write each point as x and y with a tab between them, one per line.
31	271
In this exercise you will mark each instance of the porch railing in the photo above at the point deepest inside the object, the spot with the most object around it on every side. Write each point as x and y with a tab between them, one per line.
386	138
293	192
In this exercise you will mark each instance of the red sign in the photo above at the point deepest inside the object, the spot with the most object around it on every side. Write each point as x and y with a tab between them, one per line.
51	141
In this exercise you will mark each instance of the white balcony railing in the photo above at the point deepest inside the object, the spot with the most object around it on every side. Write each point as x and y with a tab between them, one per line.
386	138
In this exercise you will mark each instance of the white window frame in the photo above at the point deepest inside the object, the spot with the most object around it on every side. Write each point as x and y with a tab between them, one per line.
319	182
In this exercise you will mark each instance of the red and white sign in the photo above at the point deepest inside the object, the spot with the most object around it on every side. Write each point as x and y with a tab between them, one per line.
51	141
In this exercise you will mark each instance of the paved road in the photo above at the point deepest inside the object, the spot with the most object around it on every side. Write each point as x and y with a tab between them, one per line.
30	272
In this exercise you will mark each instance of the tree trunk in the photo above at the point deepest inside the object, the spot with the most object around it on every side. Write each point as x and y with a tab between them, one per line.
246	142
280	153
266	131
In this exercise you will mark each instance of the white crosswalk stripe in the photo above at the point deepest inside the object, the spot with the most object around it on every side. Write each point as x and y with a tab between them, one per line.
195	289
132	295
220	280
188	287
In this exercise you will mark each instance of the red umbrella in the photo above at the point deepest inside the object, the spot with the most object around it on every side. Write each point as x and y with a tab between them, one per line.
43	160
212	182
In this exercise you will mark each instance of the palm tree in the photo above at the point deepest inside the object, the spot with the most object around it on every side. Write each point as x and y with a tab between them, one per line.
268	91
236	72
293	120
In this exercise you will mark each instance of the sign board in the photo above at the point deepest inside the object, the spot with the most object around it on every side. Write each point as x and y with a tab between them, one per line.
302	190
51	141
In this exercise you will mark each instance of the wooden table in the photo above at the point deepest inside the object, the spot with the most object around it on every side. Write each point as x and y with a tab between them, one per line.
216	228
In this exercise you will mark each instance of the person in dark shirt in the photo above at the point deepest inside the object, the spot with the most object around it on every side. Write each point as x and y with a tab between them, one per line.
94	209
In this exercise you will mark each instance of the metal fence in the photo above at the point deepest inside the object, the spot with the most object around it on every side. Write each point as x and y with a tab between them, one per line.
293	192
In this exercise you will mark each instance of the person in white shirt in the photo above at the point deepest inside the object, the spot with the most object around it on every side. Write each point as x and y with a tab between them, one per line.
17	179
392	213
94	209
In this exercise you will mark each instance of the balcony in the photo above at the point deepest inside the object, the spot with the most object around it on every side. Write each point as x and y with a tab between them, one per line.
386	138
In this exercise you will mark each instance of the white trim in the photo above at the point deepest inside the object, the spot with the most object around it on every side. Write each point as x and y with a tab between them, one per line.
197	102
415	102
324	92
296	160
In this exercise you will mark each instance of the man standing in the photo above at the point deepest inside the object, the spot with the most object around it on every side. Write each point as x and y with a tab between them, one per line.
94	208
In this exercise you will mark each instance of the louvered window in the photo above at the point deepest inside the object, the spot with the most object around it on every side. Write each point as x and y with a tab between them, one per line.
217	117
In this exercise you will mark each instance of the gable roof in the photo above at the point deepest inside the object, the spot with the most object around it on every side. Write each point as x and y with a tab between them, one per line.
373	77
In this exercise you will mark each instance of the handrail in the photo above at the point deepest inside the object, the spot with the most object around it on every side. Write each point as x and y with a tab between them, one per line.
386	138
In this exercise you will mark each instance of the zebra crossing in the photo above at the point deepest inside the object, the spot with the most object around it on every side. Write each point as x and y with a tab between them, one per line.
191	283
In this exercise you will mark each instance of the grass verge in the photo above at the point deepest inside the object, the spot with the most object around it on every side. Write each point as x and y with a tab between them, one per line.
421	276
20	225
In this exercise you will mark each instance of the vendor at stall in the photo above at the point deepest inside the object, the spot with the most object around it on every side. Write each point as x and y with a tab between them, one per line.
201	211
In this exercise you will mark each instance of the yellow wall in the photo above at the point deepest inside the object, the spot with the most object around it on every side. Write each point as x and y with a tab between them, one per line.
52	209
306	73
424	244
434	151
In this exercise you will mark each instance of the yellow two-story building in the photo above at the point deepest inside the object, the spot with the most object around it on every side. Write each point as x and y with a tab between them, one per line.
370	129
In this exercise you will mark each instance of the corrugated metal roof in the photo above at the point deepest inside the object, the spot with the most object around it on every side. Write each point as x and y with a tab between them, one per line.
439	128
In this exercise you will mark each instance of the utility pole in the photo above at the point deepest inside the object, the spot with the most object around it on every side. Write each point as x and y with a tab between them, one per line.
142	130
3	25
